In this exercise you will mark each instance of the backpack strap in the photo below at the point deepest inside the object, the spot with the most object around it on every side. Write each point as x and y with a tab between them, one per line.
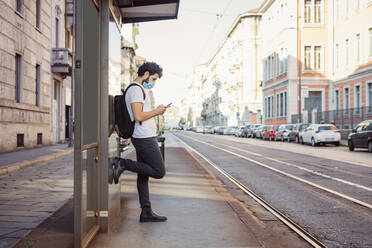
143	92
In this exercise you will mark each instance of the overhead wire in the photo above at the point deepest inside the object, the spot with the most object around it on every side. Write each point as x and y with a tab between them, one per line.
219	17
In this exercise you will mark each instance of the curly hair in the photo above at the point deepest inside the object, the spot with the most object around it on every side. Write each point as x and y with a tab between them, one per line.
151	67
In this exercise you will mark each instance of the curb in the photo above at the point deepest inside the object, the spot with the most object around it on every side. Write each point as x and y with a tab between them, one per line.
17	166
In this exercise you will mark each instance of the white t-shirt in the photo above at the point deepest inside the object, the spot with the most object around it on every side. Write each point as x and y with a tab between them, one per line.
148	127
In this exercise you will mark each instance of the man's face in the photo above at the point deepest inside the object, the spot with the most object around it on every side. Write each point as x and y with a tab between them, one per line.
151	78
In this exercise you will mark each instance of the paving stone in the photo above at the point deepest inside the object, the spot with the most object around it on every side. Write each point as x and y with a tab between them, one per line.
12	218
8	242
23	213
28	225
19	233
5	230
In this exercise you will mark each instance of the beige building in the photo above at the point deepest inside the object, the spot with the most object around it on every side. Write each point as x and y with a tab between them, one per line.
351	53
33	85
25	89
326	64
227	90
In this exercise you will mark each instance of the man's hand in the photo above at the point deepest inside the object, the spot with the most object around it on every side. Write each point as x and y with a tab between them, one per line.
161	109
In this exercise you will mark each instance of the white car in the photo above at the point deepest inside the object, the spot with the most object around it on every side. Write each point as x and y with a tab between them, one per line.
317	134
199	129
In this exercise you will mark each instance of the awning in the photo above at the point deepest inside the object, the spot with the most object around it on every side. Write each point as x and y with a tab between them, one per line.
148	10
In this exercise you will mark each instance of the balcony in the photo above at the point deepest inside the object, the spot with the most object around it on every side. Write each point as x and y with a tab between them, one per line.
61	61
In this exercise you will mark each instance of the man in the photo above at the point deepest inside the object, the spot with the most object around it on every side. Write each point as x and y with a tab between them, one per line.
149	159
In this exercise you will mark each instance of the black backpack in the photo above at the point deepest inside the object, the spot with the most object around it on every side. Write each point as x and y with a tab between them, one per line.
123	125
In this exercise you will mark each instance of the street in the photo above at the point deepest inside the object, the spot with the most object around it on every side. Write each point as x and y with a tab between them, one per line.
325	190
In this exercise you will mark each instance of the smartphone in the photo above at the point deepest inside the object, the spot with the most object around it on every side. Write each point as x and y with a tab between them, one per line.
169	105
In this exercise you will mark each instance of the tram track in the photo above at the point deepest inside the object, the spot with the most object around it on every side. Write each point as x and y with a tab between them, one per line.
334	192
282	217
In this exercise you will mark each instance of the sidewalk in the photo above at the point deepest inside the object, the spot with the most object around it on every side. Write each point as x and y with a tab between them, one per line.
198	215
202	211
13	161
36	205
30	196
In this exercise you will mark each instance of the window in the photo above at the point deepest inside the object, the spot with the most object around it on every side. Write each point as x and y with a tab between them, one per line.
55	95
337	100
37	88
38	13
19	6
307	57
317	58
347	99
308	7
370	42
68	39
277	106
357	96
269	107
285	104
18	77
281	104
337	56
357	57
313	11
347	52
369	92
358	3
272	106
317	12
57	33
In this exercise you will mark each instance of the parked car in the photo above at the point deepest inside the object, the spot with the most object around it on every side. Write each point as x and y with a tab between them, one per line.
361	136
316	134
215	129
208	129
199	129
221	130
245	131
294	135
239	132
283	132
262	131
270	132
258	132
189	129
252	131
230	130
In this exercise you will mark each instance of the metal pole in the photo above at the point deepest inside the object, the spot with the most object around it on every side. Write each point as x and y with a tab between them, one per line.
78	232
71	114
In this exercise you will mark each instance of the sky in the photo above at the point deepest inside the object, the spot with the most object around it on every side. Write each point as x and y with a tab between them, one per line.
179	45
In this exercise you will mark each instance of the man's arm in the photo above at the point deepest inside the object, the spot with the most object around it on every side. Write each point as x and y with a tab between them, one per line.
139	115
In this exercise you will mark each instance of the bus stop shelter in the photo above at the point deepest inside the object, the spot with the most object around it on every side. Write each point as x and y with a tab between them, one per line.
97	59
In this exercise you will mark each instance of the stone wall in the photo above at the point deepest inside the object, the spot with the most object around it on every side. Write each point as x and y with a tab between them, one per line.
19	35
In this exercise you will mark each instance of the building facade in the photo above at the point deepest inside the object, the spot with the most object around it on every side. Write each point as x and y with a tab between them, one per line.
351	70
25	75
35	82
227	90
316	59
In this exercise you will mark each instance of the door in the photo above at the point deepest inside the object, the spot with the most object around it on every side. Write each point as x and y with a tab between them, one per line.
67	121
56	110
313	103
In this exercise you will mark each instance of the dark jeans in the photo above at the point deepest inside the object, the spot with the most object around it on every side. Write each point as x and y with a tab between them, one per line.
149	164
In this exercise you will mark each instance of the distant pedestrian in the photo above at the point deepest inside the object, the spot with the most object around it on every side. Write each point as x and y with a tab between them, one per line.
149	159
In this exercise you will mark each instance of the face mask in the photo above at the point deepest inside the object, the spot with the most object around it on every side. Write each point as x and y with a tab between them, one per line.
148	85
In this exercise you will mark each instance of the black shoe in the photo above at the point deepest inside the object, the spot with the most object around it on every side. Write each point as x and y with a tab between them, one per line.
117	169
147	215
